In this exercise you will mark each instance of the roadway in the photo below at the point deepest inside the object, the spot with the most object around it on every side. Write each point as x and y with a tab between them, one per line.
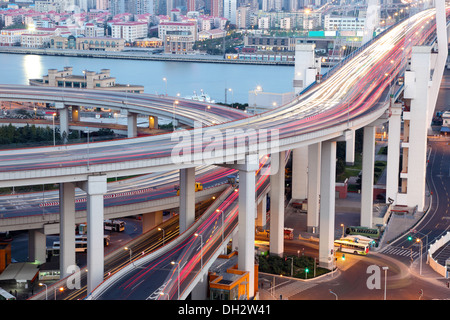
133	285
351	96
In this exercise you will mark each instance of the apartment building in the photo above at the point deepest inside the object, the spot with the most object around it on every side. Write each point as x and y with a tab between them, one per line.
130	31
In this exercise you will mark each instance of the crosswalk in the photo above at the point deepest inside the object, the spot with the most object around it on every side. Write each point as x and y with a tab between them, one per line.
397	251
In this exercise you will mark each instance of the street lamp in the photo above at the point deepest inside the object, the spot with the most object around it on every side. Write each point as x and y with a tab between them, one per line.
165	80
232	96
126	248
43	284
61	289
201	248
173	113
178	268
161	229
221	211
54	134
385	280
343	232
418	240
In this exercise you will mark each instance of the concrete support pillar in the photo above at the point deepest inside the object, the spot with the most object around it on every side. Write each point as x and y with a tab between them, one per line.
187	198
393	156
314	155
132	124
300	173
418	80
36	245
368	164
63	120
75	113
261	213
151	220
201	289
95	188
277	183
153	122
67	227
327	204
349	147
246	236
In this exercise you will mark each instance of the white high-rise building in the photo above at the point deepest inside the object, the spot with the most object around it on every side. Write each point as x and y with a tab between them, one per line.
229	10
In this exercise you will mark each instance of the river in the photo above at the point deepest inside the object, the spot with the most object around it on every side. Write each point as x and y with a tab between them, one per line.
183	78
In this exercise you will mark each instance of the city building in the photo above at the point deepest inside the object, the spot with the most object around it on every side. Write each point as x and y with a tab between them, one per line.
211	34
130	31
11	37
179	42
262	43
331	23
28	40
165	27
88	80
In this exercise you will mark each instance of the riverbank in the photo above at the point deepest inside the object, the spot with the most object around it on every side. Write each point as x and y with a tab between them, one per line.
144	55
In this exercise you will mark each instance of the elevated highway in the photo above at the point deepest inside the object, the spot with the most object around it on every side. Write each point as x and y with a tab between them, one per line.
353	96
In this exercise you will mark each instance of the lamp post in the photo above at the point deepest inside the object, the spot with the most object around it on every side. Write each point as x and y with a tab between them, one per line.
54	134
343	228
178	268
418	240
43	284
61	289
173	113
221	211
385	280
165	80
161	229
126	248
201	248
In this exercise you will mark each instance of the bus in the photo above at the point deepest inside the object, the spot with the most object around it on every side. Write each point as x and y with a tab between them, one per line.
351	247
360	239
363	231
80	245
114	225
5	295
288	233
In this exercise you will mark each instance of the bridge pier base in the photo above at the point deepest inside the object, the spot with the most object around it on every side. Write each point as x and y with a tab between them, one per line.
63	111
95	187
368	164
67	227
261	213
277	182
151	220
187	198
132	124
246	218
314	160
36	245
153	122
300	173
327	204
393	156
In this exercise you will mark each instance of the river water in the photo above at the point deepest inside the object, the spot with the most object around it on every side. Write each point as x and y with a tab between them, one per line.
183	78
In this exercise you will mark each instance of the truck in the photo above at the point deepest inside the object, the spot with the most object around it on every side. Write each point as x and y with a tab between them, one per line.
198	187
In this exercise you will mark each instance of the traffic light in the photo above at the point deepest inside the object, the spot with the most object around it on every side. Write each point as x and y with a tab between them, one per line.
343	257
306	270
410	238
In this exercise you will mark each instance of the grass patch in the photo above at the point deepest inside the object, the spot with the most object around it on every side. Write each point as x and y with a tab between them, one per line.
282	266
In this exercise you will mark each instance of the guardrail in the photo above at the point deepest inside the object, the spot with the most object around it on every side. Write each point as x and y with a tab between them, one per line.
434	264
